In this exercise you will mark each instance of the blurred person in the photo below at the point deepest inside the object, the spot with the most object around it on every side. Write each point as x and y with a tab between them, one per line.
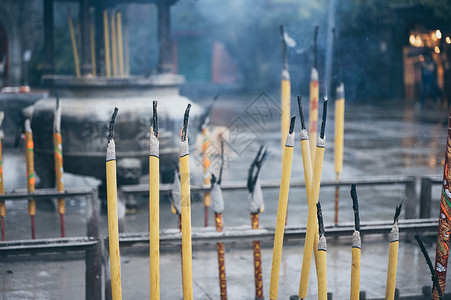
429	84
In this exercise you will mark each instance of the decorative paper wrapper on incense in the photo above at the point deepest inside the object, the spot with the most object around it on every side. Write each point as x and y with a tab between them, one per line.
257	261
444	225
221	259
206	163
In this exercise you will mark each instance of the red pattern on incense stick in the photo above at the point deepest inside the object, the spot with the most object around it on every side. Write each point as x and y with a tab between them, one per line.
257	260
221	259
444	224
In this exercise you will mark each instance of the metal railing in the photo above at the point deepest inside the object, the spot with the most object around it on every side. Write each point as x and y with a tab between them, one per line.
90	245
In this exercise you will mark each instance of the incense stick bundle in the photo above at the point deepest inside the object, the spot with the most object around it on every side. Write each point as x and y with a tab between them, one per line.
154	207
312	224
218	208
2	186
187	272
312	221
285	91
58	155
282	211
393	257
256	206
74	44
444	223
314	97
29	156
356	248
113	227
322	257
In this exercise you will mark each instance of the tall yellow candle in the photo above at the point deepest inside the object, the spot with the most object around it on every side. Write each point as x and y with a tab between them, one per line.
187	267
282	212
113	228
154	208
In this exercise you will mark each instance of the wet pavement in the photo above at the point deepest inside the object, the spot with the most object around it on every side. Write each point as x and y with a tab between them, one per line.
381	139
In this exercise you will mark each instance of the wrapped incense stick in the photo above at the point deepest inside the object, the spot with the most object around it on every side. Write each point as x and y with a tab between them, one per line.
29	155
58	155
217	200
256	206
444	223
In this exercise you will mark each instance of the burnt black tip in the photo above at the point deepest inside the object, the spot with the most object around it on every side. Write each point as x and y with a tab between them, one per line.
355	207
397	213
216	97
319	214
57	100
185	122
323	123
355	203
293	119
155	119
111	125
282	30
301	112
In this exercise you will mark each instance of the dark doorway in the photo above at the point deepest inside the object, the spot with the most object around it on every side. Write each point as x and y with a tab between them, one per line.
4	70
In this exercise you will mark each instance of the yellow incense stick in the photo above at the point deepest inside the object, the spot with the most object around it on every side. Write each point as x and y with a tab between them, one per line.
113	228
285	91
113	45
285	105
339	128
356	248
74	45
313	115
93	48
339	132
282	212
393	257
322	257
187	267
154	208
106	32
120	44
